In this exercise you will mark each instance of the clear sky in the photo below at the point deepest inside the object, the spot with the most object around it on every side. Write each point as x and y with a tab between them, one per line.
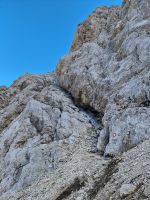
35	34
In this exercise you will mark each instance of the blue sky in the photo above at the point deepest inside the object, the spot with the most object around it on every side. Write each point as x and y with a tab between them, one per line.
35	34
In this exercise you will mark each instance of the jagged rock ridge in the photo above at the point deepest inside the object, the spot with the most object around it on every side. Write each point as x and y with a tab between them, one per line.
83	133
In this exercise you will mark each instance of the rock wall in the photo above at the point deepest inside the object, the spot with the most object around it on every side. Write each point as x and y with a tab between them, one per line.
83	133
108	70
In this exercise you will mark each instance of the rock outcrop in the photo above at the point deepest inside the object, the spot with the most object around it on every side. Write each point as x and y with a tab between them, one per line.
108	71
83	133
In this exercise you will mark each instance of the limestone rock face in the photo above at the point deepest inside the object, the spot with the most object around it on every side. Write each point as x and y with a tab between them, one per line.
46	133
83	133
108	70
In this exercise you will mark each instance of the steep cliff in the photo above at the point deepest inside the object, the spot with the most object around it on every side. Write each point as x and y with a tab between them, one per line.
108	70
82	133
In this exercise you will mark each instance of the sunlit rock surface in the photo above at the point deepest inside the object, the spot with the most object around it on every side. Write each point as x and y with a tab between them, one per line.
108	70
83	133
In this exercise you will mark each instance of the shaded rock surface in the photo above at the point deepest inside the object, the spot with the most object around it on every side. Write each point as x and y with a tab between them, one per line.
83	133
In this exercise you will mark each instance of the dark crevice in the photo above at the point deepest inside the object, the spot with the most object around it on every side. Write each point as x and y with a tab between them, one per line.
37	123
145	103
103	180
17	174
87	108
83	107
27	156
75	186
90	111
20	144
23	85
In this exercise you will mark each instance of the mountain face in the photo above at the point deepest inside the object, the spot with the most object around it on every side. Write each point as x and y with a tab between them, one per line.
83	133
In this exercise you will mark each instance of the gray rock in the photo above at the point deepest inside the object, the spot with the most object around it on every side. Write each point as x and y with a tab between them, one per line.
112	60
46	133
127	189
54	127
